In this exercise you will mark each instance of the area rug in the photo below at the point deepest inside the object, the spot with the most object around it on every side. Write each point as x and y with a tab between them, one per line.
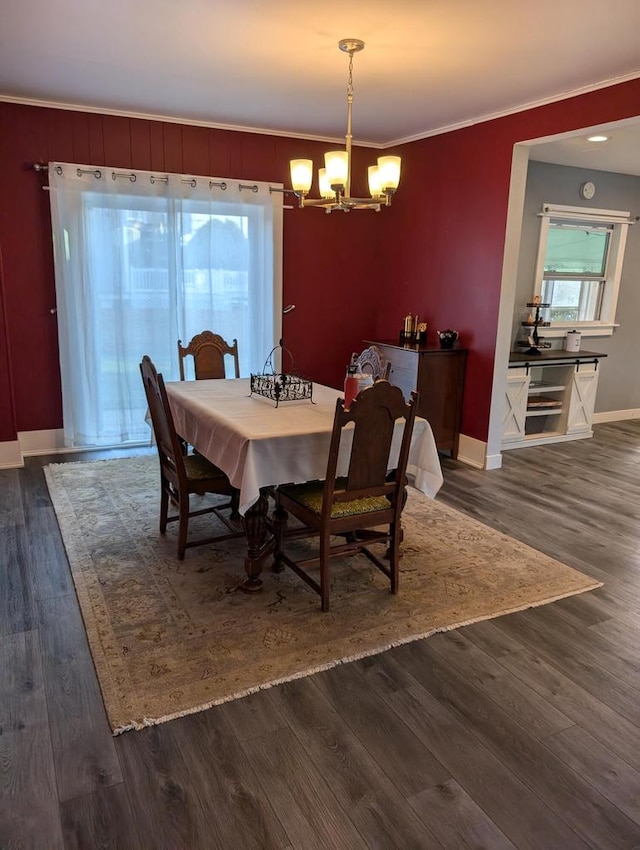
171	637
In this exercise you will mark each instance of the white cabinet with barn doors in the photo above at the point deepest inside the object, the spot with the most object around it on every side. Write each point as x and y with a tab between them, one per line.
550	397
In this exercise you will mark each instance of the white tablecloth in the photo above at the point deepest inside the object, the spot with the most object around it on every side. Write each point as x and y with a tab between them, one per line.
259	445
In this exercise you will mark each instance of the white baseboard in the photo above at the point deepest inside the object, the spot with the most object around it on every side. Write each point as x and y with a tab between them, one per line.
616	415
42	442
51	442
474	453
32	443
10	455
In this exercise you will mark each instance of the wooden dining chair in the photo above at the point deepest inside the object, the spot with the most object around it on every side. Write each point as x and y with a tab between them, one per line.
208	351
354	506
371	361
183	475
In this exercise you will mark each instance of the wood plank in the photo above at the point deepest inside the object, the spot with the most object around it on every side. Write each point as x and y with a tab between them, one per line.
96	140
84	750
251	716
195	150
312	816
610	774
588	608
140	144
172	135
456	820
35	493
554	646
157	779
28	798
221	769
511	694
374	805
18	610
194	778
11	512
490	639
521	815
80	136
103	819
47	556
620	634
117	142
406	761
571	797
585	709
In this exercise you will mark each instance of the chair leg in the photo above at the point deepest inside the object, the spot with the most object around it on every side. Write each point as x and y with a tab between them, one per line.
183	525
164	507
280	518
325	585
394	555
235	503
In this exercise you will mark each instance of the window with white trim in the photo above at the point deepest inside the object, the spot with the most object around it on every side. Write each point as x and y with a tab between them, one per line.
579	265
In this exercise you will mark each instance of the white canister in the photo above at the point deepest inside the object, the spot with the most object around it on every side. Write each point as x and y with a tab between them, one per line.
572	342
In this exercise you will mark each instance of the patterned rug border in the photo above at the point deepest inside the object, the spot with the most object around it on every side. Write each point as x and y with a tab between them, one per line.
156	721
102	665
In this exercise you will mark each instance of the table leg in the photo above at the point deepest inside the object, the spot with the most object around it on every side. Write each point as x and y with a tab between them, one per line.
280	520
259	543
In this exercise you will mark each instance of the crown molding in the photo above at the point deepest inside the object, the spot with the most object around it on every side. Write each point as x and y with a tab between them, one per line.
177	119
533	104
436	131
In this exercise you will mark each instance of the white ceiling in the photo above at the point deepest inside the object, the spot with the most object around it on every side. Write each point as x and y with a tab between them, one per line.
620	153
274	65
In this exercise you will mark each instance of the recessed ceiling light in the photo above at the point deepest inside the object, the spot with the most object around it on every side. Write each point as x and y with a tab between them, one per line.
597	138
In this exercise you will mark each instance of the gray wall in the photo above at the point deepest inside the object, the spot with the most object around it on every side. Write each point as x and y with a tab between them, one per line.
619	384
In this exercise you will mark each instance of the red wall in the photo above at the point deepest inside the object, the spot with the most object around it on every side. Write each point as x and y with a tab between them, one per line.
446	237
437	250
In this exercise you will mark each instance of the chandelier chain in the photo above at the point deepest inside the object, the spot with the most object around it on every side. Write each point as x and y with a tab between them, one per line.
350	80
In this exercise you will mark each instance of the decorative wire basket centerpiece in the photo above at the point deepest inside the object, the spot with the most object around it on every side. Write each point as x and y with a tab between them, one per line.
281	386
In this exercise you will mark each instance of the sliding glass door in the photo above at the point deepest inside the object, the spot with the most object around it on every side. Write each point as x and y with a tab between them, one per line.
143	260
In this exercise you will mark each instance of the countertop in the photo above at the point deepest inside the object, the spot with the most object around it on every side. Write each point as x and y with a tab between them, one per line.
420	347
552	355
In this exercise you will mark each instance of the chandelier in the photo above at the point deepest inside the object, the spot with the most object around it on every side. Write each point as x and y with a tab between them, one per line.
334	180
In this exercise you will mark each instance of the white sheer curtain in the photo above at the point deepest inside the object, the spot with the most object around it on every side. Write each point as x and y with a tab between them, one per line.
142	260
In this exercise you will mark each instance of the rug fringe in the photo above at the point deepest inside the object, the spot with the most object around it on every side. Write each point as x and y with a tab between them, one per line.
138	725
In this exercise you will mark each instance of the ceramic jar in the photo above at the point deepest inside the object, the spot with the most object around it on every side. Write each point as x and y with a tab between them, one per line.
447	338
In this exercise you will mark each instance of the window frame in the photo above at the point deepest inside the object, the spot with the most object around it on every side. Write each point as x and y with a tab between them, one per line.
619	221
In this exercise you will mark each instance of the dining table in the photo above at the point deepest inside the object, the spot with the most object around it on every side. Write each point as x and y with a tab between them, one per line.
259	444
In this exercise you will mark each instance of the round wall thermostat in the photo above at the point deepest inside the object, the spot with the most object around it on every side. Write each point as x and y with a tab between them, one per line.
588	190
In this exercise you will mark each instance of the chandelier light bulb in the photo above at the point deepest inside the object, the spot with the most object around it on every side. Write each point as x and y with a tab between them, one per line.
375	186
301	175
389	168
337	167
323	184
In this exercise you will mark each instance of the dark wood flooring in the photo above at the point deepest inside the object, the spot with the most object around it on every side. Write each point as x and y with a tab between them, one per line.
518	732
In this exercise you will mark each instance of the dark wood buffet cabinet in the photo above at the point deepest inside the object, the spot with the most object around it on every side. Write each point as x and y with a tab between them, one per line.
438	375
